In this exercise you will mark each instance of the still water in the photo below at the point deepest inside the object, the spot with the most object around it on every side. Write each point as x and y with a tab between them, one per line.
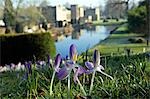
83	39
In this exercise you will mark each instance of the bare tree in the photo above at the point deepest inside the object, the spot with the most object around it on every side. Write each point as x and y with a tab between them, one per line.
1	8
115	8
44	3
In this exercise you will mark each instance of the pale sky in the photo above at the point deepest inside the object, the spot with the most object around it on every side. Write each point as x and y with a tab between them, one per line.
92	3
81	2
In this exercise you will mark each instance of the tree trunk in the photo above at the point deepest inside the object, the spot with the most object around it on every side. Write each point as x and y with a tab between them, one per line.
148	18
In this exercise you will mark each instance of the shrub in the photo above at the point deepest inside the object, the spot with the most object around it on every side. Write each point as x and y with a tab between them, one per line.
19	28
137	19
22	47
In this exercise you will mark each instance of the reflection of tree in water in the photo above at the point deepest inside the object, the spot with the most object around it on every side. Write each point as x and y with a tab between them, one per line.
76	33
91	28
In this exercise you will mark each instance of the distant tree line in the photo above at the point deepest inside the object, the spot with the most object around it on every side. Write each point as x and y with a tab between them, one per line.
15	18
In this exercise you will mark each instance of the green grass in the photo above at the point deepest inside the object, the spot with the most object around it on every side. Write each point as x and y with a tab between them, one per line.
9	84
118	41
131	80
120	49
110	22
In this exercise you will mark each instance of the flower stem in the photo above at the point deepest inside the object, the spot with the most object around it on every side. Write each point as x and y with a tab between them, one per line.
91	86
51	85
81	87
106	75
69	87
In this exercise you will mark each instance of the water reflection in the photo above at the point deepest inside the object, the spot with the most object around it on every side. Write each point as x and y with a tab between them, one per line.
82	38
76	34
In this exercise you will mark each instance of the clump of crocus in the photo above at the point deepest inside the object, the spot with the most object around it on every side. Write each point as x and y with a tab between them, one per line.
28	67
70	65
56	69
95	66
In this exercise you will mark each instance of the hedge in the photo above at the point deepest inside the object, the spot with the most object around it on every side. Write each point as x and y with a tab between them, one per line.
23	47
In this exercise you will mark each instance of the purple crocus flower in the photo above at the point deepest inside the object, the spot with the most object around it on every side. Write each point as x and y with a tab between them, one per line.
12	66
57	63
70	65
90	66
95	65
73	53
81	70
28	67
56	70
40	64
63	73
66	70
48	59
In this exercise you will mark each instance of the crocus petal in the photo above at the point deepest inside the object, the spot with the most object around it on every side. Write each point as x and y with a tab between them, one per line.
13	66
69	64
81	70
73	52
96	58
78	72
63	73
48	59
38	63
75	76
99	68
89	65
57	61
57	69
28	66
89	71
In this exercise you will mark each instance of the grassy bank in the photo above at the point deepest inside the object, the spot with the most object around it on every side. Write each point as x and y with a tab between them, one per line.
131	80
109	22
119	41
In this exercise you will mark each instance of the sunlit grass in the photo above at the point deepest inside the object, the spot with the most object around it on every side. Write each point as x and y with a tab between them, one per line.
110	22
120	49
131	80
118	42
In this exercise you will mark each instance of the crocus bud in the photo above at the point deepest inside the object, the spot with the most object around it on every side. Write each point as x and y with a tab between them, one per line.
96	58
57	62
48	59
73	52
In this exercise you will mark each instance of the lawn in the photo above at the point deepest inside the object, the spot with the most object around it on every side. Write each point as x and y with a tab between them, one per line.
118	41
110	22
131	79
